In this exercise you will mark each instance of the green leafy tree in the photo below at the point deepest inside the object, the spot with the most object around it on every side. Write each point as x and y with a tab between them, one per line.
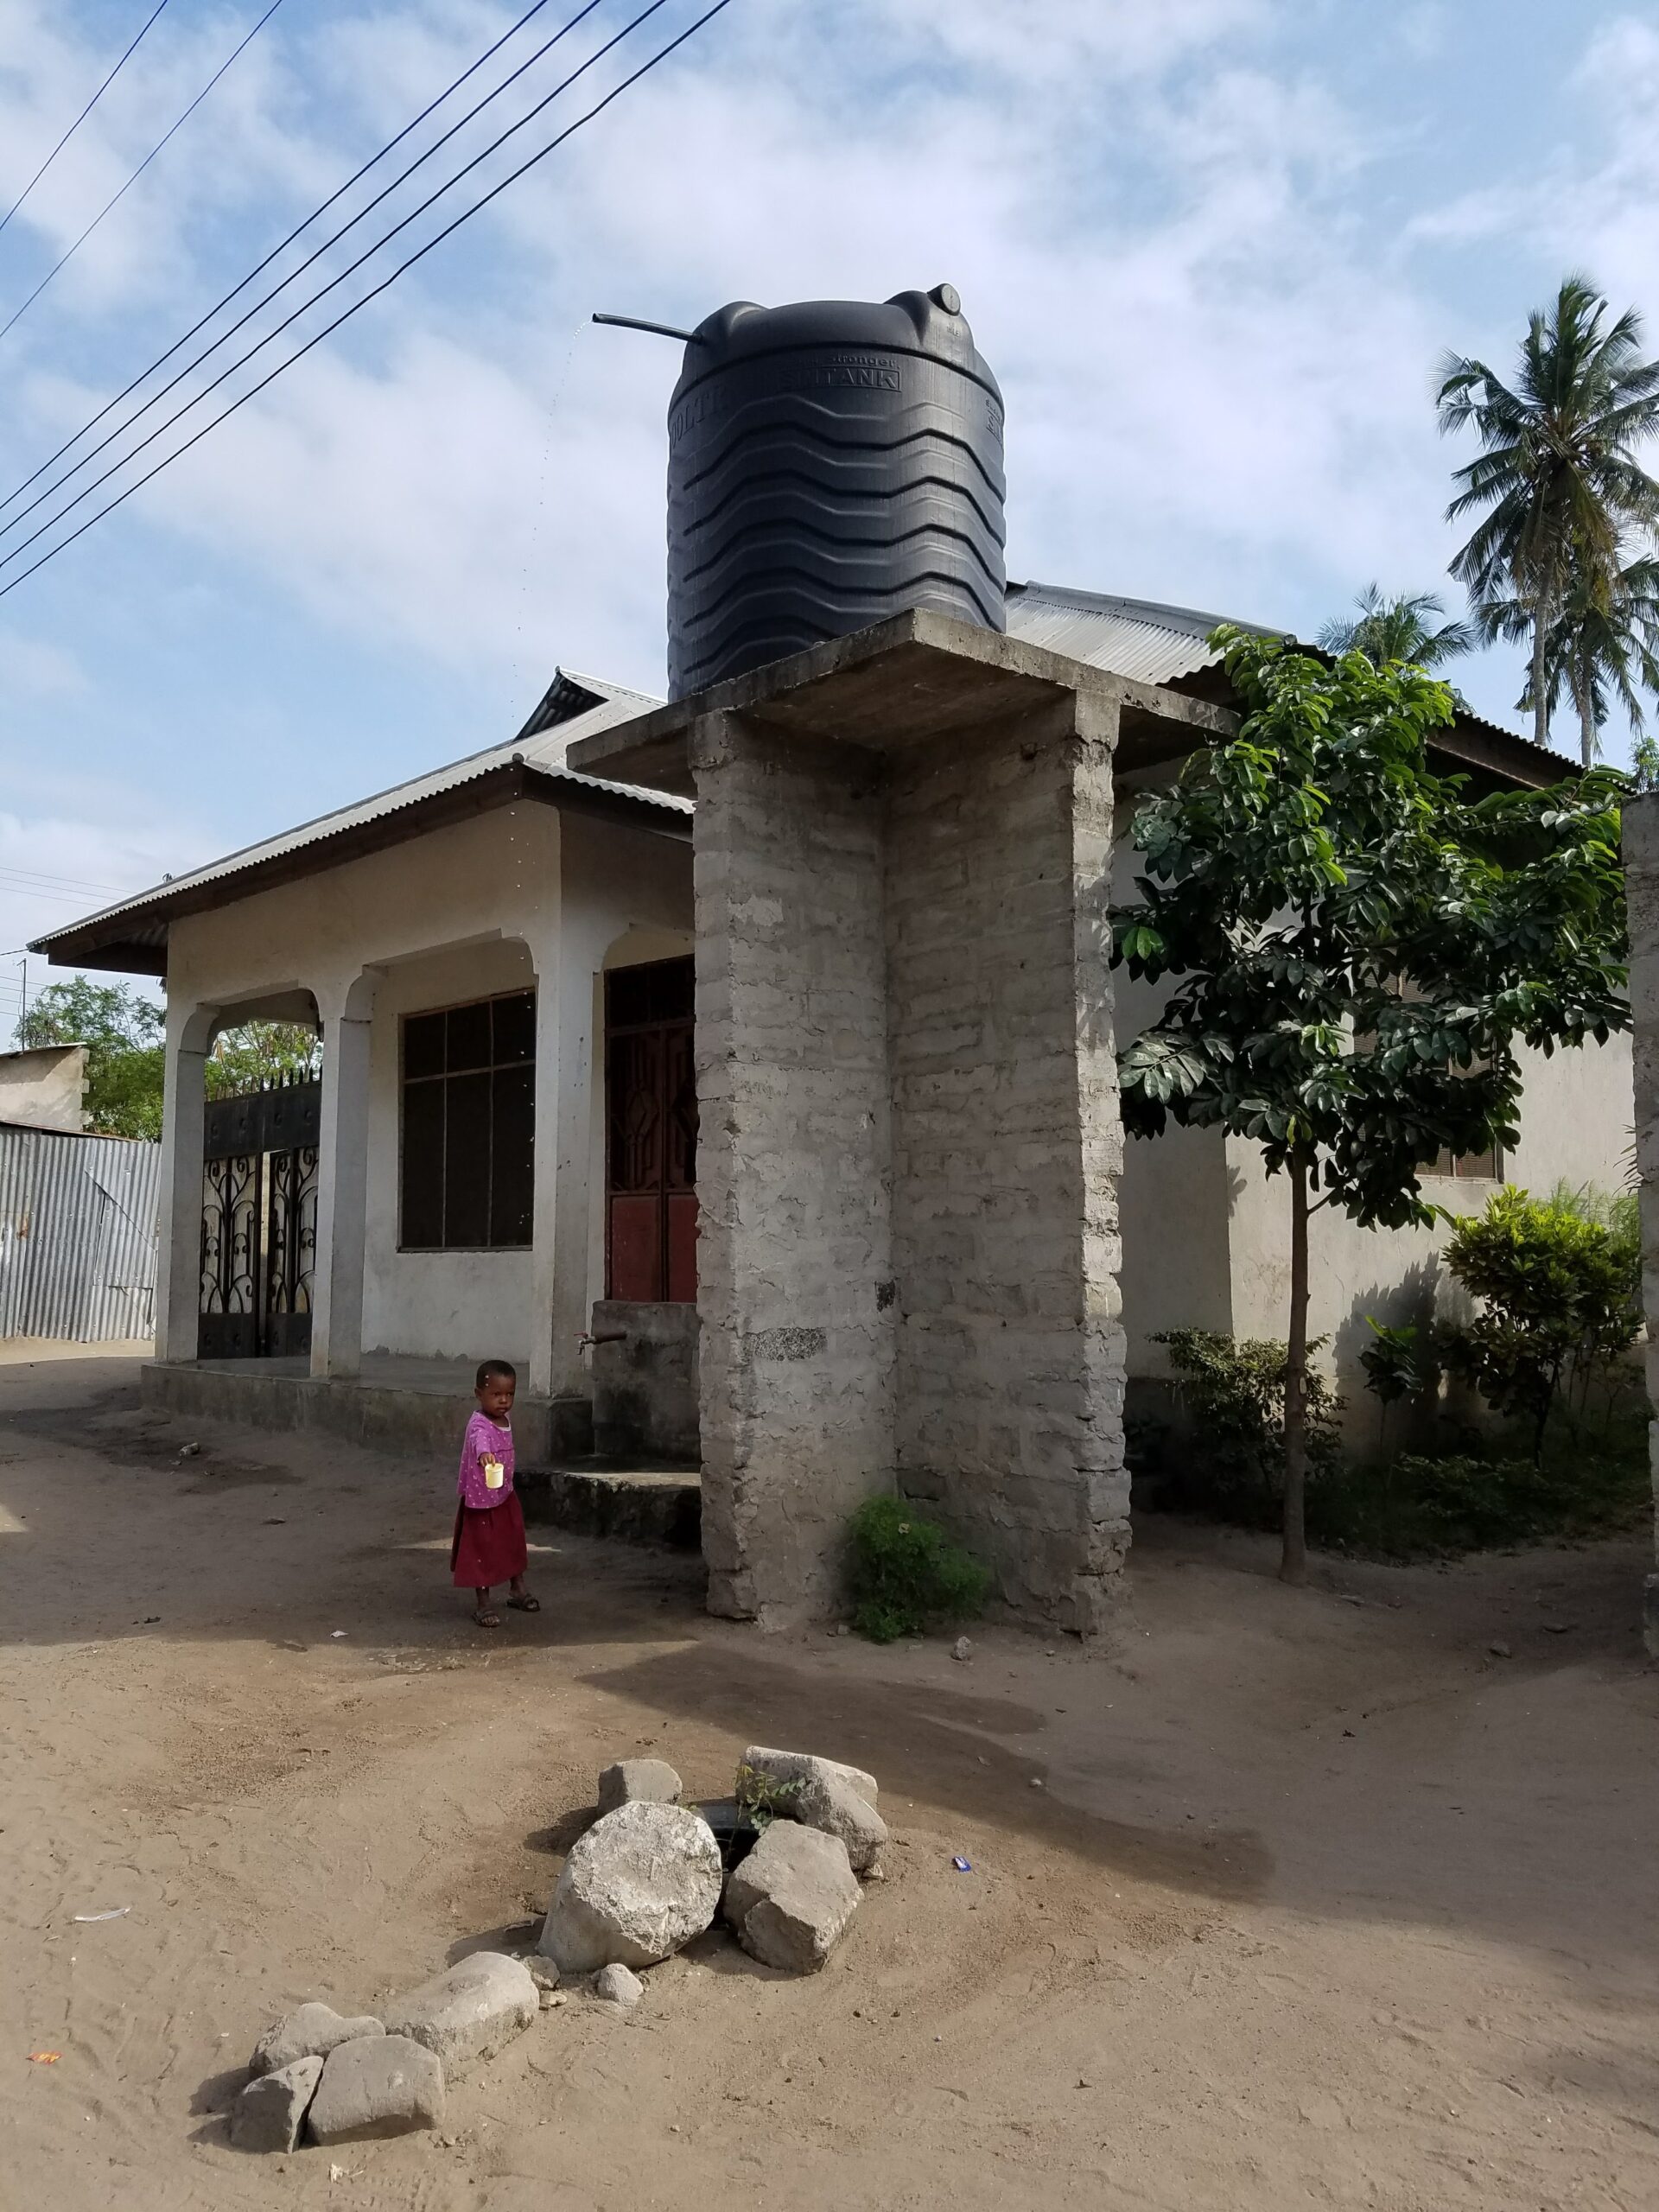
1406	628
258	1053
1557	482
125	1059
1355	950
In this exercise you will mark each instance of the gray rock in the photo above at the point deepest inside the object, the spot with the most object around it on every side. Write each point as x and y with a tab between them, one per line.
385	2085
545	1975
642	1881
804	1766
827	1803
309	2031
269	2114
618	1986
470	2012
638	1782
790	1899
962	1647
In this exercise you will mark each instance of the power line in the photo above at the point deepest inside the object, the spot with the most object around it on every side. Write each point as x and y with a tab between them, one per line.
350	270
142	166
465	215
80	119
280	247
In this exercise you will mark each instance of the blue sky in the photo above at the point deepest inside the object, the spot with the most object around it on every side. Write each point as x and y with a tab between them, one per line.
1211	247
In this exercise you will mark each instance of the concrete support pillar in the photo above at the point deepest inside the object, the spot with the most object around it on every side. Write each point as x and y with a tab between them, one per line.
796	1292
1641	851
342	1184
1007	1149
910	1141
568	1092
178	1258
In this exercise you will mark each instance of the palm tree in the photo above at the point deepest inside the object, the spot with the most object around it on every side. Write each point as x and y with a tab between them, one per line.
1402	628
1556	481
1601	650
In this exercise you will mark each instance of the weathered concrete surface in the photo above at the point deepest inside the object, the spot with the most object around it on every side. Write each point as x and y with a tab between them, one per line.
469	2012
639	1883
790	1899
910	1132
646	1383
269	2114
628	1505
1007	1147
794	1259
1641	852
638	1782
387	2085
833	1806
807	1766
309	2031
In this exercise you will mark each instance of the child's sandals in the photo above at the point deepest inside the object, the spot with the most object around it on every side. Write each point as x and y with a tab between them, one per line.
526	1602
485	1618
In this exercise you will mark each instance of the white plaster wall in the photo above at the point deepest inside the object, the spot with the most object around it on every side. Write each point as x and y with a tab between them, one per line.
523	896
42	1087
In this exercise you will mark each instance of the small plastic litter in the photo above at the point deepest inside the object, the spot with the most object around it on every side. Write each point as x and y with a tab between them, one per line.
962	1865
339	1632
44	2058
115	1912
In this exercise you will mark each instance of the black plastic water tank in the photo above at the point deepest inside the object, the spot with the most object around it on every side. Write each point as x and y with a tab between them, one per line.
830	463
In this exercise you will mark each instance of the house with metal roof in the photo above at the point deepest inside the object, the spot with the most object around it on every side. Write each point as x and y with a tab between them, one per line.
500	1155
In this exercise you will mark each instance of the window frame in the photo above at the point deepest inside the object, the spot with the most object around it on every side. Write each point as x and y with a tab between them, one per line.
439	1081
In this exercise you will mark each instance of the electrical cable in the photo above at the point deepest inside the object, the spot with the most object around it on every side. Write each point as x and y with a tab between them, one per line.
138	172
282	246
80	119
293	274
351	269
327	329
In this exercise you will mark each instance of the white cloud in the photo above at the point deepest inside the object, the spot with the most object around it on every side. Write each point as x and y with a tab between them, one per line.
1159	217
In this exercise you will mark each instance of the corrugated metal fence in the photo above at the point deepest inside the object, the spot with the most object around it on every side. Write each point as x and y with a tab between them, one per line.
77	1220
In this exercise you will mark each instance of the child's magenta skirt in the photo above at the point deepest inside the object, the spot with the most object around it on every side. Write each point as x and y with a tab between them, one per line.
489	1546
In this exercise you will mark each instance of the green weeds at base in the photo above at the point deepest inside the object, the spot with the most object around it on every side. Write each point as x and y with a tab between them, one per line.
905	1573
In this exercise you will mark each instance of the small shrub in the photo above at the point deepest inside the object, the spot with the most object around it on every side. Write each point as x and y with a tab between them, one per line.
760	1801
1232	1462
1418	1506
906	1572
1559	1285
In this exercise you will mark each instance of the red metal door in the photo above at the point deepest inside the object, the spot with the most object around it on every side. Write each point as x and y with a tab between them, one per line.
651	1120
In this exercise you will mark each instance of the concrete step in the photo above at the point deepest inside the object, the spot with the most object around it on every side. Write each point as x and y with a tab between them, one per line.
630	1505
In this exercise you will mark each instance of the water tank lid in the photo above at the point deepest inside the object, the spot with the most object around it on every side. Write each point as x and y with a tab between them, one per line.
929	323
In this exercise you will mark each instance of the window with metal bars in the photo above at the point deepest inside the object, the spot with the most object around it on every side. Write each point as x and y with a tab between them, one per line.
468	1127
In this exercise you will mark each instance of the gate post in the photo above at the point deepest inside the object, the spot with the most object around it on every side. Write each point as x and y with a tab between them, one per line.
342	1186
1640	844
178	1257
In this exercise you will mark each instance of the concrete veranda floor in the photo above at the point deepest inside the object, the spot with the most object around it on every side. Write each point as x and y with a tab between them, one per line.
1294	1898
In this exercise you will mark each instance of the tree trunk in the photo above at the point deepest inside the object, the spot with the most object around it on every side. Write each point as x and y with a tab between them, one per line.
1588	732
1293	1564
1539	695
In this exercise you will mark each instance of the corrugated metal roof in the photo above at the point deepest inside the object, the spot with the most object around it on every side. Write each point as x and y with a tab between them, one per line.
1156	643
545	751
1137	638
78	1217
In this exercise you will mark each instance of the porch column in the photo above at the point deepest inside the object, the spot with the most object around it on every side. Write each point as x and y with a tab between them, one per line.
566	1101
342	1184
178	1256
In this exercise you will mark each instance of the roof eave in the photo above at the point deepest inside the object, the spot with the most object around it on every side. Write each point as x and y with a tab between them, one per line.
133	940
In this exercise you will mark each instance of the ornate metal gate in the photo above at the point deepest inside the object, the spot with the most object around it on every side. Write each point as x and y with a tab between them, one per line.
259	1222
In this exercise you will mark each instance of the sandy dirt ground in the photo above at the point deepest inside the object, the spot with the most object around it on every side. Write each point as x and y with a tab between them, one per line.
1295	1899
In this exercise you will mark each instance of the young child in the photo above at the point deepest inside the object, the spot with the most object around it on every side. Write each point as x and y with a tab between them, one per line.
489	1546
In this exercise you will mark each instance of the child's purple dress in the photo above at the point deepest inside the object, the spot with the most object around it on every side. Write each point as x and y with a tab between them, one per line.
489	1546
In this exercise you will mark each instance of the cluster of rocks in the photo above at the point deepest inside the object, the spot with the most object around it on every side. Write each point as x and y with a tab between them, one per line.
646	1878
